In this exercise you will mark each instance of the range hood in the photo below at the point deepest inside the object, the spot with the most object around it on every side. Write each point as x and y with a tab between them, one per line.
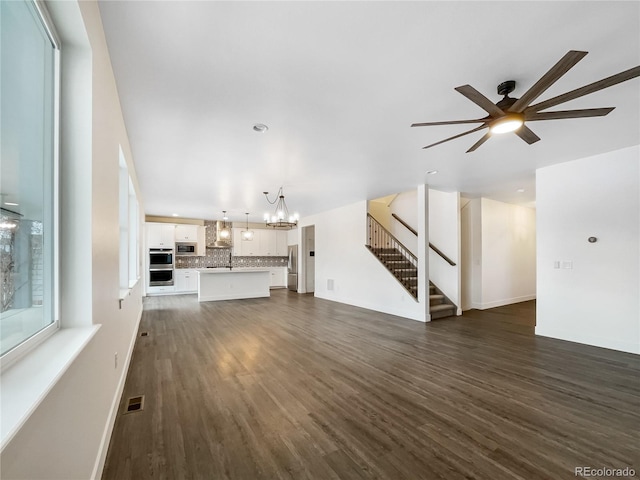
219	243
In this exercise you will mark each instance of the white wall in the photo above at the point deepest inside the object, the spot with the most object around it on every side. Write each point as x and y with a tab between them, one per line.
508	253
308	246
444	233
471	254
67	435
379	209
597	300
500	243
405	205
358	277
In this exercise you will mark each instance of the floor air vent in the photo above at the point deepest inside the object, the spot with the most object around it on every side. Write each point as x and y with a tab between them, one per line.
144	334
135	404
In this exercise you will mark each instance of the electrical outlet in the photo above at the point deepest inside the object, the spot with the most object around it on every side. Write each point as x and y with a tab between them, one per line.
115	360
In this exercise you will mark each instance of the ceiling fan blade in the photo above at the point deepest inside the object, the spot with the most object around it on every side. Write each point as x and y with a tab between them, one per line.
457	136
480	100
484	138
552	76
527	135
587	112
452	122
587	89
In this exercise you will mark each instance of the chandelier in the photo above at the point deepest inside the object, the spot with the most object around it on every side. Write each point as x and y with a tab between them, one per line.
247	234
281	217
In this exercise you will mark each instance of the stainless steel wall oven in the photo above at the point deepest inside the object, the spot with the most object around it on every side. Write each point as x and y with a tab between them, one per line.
160	267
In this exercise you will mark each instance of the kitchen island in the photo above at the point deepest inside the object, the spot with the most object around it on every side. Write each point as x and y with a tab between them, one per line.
231	284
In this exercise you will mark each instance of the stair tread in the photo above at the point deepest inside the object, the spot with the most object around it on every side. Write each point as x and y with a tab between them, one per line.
442	306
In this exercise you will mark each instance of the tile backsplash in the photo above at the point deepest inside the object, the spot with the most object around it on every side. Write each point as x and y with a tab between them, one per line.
220	257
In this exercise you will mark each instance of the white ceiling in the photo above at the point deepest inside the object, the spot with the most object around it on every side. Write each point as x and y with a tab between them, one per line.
339	84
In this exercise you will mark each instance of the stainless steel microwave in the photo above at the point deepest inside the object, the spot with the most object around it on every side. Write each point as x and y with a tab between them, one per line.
186	248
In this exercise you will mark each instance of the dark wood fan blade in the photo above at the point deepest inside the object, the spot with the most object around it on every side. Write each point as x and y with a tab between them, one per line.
587	89
527	135
484	138
452	122
480	100
552	76
587	112
457	136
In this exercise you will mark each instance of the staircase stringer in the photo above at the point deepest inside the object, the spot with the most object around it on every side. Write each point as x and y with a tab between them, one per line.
404	280
396	258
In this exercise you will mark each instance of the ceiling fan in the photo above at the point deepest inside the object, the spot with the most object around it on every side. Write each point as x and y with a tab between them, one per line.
511	114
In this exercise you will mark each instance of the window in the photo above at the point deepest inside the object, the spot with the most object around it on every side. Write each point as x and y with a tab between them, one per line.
129	221
28	175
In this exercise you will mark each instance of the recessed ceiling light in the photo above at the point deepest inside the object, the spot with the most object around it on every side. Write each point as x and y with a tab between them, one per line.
260	127
11	204
520	190
432	172
174	214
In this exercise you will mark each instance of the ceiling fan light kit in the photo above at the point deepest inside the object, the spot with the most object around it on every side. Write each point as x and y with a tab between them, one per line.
506	124
512	114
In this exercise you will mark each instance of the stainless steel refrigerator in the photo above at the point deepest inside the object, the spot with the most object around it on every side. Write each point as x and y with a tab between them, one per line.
292	268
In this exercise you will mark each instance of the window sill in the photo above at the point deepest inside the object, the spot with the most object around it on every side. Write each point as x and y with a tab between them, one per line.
124	293
27	382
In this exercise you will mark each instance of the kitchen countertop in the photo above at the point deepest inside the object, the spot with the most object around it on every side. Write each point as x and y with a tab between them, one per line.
233	270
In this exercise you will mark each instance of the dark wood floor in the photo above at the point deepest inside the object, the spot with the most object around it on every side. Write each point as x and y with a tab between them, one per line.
297	387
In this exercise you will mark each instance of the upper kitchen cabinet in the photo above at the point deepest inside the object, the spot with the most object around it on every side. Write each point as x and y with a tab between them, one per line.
247	248
265	243
236	238
268	243
281	243
160	235
192	233
187	233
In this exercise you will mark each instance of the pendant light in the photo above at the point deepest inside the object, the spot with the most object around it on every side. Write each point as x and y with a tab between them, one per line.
225	231
281	217
247	234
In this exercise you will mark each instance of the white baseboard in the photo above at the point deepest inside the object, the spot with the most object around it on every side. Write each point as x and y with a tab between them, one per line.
501	303
585	339
111	421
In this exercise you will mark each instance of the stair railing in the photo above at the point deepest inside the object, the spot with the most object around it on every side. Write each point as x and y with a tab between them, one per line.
383	245
431	245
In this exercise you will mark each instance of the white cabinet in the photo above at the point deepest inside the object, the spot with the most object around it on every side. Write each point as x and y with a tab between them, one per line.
268	243
191	233
282	245
247	248
201	249
186	233
186	280
236	238
160	235
162	290
265	243
278	277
